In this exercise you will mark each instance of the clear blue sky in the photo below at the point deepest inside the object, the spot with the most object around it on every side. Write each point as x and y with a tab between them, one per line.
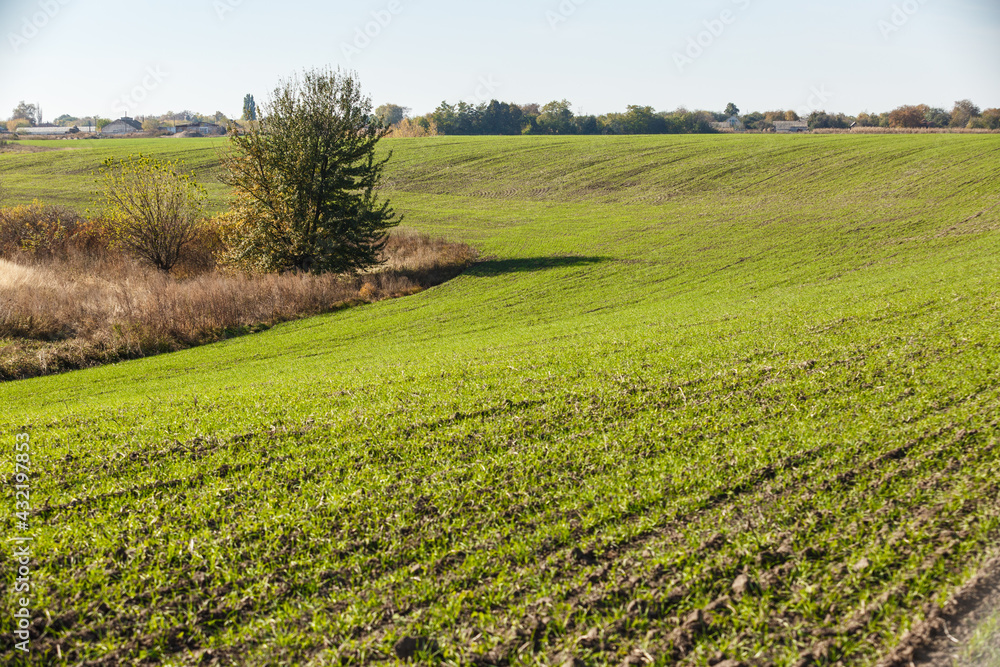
107	56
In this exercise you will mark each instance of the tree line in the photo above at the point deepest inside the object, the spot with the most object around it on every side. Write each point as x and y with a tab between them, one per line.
557	118
30	115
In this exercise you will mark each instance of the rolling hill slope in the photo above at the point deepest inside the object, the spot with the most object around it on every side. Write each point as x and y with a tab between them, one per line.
707	399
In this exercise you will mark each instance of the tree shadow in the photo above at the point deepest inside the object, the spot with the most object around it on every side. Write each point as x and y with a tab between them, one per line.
491	267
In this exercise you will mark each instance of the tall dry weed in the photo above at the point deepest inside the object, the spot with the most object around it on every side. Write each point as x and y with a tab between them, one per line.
64	312
905	130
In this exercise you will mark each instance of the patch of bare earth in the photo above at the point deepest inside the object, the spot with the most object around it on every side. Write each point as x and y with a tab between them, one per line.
939	640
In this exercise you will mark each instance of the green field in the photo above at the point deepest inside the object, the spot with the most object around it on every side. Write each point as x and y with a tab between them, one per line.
684	363
63	172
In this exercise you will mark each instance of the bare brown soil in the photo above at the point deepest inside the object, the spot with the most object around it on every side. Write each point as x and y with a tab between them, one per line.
938	640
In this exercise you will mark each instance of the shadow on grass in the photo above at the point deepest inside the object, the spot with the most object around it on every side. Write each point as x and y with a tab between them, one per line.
488	268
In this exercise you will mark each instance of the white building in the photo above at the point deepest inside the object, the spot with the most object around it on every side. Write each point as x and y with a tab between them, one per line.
790	126
124	125
731	124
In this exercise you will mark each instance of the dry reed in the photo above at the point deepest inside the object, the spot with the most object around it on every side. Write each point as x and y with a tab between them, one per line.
80	309
905	130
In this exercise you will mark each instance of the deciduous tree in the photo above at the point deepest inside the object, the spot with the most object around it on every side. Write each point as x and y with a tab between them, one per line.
307	180
963	113
909	116
249	108
556	118
988	120
13	125
391	114
152	209
28	112
937	117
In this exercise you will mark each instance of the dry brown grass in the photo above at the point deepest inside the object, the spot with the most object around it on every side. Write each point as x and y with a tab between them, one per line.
410	129
905	130
80	309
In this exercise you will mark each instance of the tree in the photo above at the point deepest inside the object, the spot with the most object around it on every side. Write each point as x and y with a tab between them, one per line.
866	119
732	110
756	121
307	180
29	112
988	120
963	113
556	118
587	125
501	118
249	108
413	127
909	116
14	125
391	114
819	120
643	120
937	118
771	116
152	210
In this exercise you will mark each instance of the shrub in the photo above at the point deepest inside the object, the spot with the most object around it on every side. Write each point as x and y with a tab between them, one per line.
46	231
95	308
153	210
408	128
989	120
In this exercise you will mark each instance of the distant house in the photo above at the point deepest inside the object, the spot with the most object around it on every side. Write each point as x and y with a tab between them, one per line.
731	124
790	126
52	130
199	127
124	125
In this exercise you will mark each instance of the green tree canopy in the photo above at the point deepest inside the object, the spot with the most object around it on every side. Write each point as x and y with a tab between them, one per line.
391	114
909	116
963	113
307	180
152	209
249	108
29	112
556	118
